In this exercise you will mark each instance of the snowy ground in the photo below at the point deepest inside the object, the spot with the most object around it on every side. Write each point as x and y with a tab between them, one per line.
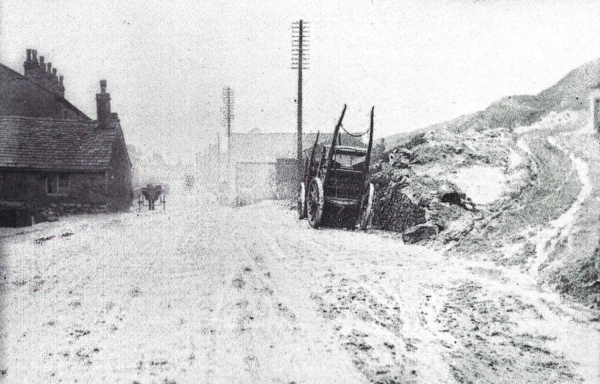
483	184
208	294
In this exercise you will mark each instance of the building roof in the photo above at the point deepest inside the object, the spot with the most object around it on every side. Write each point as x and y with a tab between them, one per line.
55	145
268	147
22	97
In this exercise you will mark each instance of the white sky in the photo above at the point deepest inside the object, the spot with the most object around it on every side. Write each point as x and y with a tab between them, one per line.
419	62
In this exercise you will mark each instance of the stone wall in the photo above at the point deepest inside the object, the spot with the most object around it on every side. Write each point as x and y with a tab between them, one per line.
119	176
86	193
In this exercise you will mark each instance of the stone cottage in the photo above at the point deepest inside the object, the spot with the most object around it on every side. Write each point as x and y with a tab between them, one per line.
53	158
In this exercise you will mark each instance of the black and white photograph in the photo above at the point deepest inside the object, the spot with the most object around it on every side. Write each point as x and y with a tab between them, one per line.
299	192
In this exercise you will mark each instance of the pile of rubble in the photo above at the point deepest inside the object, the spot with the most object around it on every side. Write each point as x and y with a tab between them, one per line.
413	193
419	207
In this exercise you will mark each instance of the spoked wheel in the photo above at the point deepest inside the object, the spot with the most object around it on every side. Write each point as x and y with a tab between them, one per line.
366	208
315	203
302	201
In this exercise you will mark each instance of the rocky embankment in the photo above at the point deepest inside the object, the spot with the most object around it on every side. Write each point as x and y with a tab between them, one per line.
525	198
439	183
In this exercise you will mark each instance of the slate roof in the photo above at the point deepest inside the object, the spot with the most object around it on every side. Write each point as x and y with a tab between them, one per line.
54	145
22	97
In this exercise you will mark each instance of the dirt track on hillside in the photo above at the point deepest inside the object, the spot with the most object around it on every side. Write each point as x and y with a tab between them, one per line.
204	293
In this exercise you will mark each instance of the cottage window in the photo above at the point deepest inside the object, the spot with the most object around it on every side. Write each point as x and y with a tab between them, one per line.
57	184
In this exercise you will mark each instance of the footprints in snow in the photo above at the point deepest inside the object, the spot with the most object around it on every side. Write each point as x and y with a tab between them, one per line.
369	324
490	338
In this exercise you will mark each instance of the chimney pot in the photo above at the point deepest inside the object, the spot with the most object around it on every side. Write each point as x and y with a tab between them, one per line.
60	87
103	106
54	71
28	64
34	55
49	67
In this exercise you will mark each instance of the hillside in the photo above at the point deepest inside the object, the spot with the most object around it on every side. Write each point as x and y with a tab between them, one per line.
570	93
524	197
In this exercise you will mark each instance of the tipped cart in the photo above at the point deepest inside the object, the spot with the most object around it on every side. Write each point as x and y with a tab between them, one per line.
334	189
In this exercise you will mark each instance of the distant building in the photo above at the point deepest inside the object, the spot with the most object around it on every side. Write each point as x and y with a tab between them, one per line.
211	166
53	158
261	165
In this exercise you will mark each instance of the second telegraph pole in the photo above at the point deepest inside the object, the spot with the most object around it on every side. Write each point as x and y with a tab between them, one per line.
299	62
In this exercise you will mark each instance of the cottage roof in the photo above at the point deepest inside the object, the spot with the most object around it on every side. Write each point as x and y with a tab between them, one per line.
54	145
22	97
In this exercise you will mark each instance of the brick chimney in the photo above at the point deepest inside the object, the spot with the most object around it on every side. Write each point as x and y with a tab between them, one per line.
61	87
29	63
103	106
42	73
42	66
49	77
35	66
41	77
55	82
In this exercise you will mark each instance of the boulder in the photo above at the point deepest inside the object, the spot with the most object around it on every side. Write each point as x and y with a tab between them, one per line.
405	152
455	198
400	157
419	139
402	162
419	232
458	229
442	214
395	211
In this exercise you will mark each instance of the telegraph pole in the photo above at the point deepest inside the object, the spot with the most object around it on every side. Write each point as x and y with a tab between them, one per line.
227	109
228	99
300	62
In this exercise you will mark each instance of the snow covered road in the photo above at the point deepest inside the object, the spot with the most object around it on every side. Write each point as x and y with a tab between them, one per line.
209	294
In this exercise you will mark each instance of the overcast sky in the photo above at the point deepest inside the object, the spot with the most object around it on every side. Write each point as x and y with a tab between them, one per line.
418	62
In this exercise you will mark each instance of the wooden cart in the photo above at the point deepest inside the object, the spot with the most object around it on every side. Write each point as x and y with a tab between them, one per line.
334	188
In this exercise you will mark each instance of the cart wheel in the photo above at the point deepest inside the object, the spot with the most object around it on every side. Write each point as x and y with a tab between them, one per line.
315	203
302	201
366	208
